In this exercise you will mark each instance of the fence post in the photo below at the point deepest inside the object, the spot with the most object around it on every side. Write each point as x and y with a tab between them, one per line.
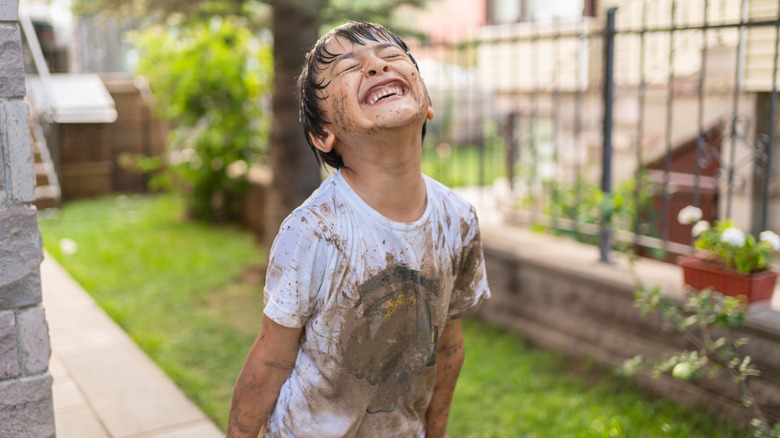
605	235
771	143
511	146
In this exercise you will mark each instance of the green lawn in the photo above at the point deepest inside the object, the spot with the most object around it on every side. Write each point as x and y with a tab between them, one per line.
191	296
463	165
187	293
507	389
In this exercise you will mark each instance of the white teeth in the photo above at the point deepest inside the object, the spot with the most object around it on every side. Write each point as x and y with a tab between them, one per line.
385	92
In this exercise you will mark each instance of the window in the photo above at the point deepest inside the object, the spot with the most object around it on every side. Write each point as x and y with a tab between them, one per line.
512	11
504	11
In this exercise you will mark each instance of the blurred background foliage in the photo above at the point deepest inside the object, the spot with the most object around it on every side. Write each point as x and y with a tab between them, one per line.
211	67
211	80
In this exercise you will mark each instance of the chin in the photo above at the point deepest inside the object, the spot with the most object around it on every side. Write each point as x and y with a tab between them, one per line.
402	116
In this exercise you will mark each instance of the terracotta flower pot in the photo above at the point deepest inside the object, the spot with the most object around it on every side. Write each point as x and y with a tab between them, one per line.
701	274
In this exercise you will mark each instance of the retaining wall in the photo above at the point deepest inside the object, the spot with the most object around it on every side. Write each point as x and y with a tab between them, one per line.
559	296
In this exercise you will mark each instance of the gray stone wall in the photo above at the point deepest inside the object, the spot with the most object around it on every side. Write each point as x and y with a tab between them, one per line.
26	408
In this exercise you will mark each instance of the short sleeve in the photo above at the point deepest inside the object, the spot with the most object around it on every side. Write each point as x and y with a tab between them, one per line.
470	286
296	269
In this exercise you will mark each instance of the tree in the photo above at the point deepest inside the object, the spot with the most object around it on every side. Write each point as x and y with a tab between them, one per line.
294	167
295	25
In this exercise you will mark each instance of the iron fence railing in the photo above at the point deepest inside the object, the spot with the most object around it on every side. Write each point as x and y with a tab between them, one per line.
615	122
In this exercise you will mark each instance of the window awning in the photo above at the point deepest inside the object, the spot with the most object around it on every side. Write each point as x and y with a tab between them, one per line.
72	98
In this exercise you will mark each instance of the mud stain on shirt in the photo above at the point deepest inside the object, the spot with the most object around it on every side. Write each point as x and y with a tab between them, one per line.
392	337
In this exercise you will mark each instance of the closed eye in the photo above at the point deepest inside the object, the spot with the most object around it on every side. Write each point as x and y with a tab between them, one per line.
390	51
348	68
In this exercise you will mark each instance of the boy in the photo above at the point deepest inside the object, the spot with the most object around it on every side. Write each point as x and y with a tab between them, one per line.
368	278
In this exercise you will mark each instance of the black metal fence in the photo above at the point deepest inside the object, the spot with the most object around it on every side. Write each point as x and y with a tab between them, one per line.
605	128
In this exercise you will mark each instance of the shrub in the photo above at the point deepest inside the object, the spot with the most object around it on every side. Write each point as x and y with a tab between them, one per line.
701	320
209	79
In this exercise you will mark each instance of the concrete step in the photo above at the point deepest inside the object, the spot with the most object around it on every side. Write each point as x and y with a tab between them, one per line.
47	197
47	190
41	175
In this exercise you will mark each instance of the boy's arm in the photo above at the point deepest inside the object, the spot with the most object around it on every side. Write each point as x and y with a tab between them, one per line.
449	359
267	366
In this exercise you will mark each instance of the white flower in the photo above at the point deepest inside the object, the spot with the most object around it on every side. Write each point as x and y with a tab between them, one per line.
689	215
733	236
68	246
699	228
771	238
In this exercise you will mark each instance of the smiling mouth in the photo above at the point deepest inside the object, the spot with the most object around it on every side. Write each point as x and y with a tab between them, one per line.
382	92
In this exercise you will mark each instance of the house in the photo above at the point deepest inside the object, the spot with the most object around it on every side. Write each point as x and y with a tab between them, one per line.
679	70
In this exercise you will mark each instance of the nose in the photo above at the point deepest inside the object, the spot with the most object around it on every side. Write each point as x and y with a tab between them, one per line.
377	65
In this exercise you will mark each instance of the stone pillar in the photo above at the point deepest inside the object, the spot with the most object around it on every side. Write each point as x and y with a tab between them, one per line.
26	408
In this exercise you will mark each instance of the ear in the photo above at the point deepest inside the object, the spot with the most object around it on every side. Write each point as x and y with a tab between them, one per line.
324	144
429	115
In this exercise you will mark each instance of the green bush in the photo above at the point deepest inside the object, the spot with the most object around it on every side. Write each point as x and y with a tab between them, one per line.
702	320
209	79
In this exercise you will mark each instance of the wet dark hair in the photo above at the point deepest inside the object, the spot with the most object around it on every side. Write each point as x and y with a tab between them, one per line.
310	113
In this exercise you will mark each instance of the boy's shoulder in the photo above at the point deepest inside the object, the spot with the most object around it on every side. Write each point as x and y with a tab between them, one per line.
320	205
448	196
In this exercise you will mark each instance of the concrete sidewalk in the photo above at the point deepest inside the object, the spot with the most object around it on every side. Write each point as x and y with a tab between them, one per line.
104	384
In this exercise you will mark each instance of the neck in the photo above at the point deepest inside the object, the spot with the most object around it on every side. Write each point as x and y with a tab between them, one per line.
387	176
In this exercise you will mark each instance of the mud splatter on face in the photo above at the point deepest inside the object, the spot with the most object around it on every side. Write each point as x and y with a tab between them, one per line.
342	118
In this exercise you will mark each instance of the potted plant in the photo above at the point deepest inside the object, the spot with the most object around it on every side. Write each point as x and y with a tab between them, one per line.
728	260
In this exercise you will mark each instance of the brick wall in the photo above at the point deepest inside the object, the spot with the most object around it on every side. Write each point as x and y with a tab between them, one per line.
558	295
26	408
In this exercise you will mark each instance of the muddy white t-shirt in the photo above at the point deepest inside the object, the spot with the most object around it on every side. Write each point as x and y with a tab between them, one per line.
372	296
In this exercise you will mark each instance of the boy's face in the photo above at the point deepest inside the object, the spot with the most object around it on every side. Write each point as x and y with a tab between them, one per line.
371	87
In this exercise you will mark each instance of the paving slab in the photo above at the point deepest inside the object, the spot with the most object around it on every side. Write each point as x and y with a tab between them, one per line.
68	396
104	384
81	423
